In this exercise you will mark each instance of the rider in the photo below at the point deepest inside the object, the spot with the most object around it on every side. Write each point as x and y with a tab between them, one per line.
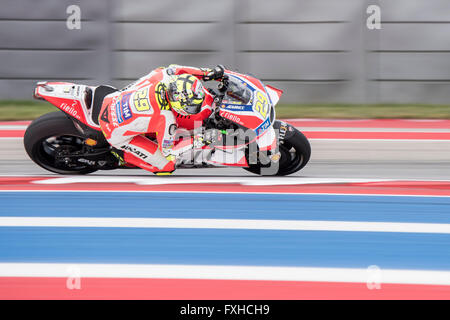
151	105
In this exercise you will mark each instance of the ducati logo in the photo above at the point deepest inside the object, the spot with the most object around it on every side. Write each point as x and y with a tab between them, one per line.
140	154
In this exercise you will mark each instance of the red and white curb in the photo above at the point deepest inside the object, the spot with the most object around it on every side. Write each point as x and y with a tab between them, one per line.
266	185
385	129
174	282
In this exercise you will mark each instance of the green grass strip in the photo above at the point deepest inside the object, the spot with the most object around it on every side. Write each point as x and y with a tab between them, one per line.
31	109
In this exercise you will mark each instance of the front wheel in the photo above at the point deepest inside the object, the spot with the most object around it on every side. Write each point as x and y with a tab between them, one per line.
294	148
295	153
49	137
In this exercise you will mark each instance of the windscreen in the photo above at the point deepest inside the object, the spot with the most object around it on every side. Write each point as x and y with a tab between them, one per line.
237	92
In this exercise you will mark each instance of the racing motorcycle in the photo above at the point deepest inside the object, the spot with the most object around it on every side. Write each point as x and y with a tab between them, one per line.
241	132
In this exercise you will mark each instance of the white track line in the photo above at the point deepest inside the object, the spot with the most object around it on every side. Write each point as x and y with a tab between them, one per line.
247	224
13	127
230	192
224	273
254	181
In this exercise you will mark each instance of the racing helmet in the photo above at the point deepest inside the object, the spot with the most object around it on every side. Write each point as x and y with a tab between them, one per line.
185	94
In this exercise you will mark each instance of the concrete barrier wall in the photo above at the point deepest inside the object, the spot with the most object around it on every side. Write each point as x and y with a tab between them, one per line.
315	50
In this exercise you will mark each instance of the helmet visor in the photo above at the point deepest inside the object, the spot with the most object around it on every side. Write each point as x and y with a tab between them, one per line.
173	94
189	101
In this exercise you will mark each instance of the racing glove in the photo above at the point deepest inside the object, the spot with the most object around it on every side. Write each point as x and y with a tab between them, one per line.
215	74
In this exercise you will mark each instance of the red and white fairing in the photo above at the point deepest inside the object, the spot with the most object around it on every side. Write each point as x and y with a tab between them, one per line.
258	114
69	97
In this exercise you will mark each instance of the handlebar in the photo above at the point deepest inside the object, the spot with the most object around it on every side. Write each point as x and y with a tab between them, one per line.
223	83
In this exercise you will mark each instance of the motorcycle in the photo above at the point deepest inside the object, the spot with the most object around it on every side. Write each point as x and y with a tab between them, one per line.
242	131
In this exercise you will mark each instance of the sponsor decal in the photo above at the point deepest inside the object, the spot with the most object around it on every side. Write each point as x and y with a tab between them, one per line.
118	113
131	149
88	162
101	163
125	107
71	109
123	110
237	107
263	127
283	129
231	116
167	143
113	112
160	94
104	116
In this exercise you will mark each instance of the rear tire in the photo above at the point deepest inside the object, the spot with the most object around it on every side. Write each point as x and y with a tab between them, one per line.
53	124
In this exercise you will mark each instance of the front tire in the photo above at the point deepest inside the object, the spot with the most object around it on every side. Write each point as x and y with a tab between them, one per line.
49	133
295	152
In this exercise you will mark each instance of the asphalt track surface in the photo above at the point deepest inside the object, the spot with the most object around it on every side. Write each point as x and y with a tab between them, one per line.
334	158
367	218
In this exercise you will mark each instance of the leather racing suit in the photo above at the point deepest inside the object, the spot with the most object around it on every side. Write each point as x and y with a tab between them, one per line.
141	108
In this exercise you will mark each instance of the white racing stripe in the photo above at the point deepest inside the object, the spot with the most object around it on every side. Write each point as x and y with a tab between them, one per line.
247	224
13	127
231	192
225	273
251	181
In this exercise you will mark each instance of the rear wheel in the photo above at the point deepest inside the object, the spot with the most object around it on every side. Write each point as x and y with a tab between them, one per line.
50	137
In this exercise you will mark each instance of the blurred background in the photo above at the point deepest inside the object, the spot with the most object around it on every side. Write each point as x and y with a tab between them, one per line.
317	51
332	60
